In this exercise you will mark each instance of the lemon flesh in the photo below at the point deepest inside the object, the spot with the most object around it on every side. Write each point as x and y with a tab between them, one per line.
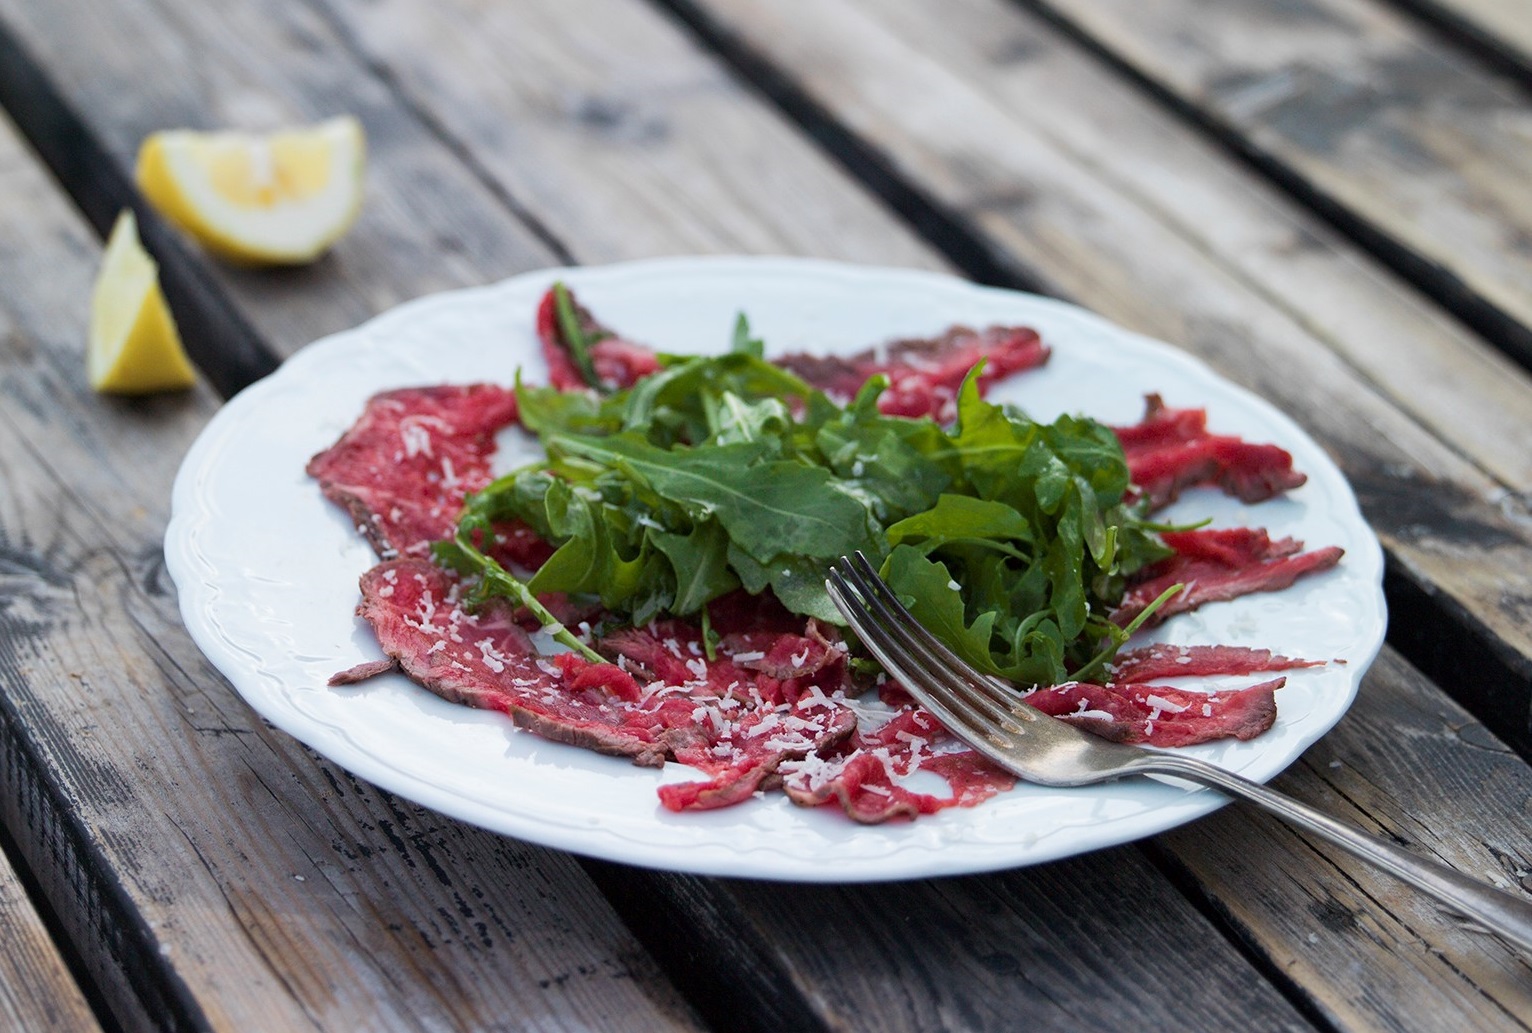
263	199
133	347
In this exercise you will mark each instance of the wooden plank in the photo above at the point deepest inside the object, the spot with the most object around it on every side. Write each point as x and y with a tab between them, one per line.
952	103
1501	29
1073	945
1405	763
871	230
36	990
211	873
666	154
959	909
1408	143
618	132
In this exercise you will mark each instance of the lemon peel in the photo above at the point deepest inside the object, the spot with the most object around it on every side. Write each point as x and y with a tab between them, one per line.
133	346
279	198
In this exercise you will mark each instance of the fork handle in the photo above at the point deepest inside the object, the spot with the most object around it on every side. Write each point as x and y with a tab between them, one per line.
1503	913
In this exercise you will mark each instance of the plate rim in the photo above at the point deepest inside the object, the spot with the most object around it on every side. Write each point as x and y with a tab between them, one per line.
193	586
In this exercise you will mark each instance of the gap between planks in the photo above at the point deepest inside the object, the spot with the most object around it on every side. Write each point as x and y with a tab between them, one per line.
42	983
1491	319
96	185
1497	33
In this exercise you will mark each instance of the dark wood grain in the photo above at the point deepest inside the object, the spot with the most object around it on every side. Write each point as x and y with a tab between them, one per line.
36	990
1409	764
210	872
1497	32
624	137
1074	945
1407	143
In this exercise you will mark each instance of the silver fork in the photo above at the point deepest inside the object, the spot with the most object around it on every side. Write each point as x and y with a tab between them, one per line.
991	717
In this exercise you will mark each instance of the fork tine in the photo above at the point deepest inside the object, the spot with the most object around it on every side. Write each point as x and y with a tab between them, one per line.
932	665
980	691
885	645
905	650
998	696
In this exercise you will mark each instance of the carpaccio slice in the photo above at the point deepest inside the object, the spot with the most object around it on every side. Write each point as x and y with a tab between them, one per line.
1218	565
924	373
1130	709
404	468
1171	450
1160	715
486	660
1162	660
617	362
770	711
865	775
661	698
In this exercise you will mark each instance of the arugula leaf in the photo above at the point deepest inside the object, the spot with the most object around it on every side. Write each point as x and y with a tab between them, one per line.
928	589
885	466
700	564
956	518
769	507
542	409
672	406
592	560
463	556
743	343
576	339
796	581
1012	540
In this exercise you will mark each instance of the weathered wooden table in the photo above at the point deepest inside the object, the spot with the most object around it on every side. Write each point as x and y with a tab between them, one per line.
1329	200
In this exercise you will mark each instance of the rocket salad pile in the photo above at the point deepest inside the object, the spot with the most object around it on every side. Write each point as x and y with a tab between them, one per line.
1012	539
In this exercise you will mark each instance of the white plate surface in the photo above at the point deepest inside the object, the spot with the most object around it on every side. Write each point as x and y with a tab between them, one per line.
267	570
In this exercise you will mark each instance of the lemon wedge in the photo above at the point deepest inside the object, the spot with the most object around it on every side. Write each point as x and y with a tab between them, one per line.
262	199
133	346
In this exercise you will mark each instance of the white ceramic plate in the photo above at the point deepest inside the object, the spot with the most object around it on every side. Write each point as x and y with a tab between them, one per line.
267	571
